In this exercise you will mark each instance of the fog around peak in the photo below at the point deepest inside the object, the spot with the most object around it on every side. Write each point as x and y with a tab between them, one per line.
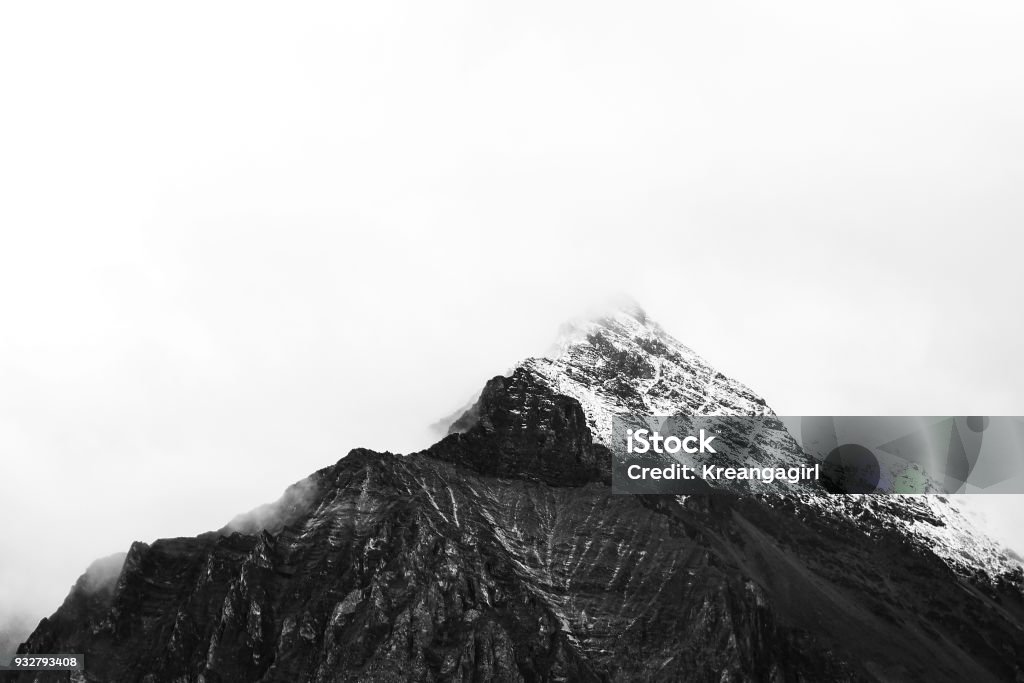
102	574
324	229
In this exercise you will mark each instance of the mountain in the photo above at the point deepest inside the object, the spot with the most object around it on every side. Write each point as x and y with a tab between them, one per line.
500	553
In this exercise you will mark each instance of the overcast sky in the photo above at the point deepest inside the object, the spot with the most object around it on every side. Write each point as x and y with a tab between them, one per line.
239	239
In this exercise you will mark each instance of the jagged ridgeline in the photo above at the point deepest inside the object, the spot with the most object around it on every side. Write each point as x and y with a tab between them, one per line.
500	554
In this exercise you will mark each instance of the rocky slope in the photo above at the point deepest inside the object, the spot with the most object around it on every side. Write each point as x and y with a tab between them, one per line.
501	554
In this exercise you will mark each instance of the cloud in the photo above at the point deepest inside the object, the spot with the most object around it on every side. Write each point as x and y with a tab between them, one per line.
101	576
271	517
14	629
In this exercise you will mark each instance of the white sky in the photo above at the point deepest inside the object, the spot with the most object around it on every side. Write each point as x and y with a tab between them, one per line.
239	239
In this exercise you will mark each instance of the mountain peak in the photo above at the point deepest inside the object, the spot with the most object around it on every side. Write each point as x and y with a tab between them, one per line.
621	361
623	314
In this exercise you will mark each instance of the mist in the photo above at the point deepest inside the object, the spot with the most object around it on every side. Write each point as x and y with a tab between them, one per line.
237	241
101	576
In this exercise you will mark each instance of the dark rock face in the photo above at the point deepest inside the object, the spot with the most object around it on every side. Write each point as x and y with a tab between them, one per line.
501	554
518	428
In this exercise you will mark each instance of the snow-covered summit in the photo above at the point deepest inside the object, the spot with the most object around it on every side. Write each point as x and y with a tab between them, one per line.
624	362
